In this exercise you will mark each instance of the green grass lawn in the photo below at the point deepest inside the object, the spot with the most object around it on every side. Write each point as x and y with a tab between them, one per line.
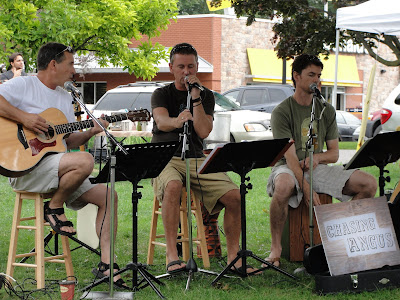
270	285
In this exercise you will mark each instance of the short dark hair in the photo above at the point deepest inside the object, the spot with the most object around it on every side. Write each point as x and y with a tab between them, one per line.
51	51
182	48
303	61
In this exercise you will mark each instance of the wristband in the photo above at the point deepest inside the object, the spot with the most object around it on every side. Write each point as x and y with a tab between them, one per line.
196	100
198	103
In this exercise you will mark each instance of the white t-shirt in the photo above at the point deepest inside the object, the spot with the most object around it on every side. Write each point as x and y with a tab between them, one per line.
29	94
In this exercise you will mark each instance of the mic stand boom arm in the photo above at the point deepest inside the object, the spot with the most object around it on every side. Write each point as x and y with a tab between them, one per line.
78	99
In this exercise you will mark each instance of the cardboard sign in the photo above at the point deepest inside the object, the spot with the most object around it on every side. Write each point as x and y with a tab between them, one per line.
357	235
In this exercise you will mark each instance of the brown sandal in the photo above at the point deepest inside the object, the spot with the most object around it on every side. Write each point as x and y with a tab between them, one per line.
272	261
56	224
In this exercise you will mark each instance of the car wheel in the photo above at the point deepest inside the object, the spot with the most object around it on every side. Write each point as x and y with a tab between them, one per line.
377	130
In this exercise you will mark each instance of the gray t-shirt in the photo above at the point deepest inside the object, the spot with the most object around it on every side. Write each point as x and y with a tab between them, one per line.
175	101
9	75
291	120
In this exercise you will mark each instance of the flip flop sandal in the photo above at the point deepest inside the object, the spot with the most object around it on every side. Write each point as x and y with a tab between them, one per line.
272	261
242	273
176	271
58	224
102	267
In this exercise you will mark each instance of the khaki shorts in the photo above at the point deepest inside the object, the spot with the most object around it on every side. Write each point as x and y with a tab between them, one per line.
44	179
326	180
209	188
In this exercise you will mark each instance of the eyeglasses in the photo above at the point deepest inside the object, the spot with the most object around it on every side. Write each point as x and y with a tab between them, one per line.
68	48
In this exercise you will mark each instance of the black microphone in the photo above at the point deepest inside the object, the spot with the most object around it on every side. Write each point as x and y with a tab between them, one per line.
196	85
69	86
315	90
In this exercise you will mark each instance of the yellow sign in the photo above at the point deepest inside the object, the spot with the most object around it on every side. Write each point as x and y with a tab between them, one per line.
224	4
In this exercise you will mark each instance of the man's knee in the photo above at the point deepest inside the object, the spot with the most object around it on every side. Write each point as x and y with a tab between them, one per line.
173	190
361	182
370	185
83	161
283	186
231	199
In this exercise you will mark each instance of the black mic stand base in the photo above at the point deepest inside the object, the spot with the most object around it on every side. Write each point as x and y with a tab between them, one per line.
134	266
244	253
191	269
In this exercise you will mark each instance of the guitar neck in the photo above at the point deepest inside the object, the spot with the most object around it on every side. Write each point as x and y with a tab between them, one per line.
74	126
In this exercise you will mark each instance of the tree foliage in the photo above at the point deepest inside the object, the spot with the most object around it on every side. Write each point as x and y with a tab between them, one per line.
304	27
104	27
193	7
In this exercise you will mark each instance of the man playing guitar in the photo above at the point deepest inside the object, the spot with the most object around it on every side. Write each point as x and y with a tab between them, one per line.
64	176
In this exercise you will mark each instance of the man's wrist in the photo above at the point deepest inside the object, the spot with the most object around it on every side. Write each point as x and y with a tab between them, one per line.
196	100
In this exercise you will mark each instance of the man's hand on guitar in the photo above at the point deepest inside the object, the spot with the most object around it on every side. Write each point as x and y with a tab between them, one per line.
96	128
35	123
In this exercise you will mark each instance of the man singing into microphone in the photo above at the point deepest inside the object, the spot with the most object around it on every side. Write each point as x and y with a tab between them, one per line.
15	69
170	112
61	176
288	182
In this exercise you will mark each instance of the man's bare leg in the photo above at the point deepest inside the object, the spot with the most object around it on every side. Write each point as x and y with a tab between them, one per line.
74	168
170	218
284	185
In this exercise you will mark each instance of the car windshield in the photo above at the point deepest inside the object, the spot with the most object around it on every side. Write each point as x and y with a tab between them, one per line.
223	103
116	101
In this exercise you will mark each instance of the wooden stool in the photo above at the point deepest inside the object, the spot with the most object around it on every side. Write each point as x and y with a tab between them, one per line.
39	251
296	233
183	237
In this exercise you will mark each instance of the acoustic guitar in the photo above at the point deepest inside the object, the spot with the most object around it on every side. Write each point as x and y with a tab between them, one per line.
22	149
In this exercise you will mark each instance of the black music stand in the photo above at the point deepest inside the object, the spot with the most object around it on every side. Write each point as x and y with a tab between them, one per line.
143	161
241	158
378	151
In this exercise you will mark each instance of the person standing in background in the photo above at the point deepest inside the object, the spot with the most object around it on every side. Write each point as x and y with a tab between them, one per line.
16	67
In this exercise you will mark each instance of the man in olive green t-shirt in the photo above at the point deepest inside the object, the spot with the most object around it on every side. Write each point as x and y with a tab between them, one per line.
288	183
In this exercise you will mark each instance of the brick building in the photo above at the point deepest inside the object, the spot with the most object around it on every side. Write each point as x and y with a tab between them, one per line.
233	54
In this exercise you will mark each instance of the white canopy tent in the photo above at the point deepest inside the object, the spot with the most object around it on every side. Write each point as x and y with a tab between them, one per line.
375	16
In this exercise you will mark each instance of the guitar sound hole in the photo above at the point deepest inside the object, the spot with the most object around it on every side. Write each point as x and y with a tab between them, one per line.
47	135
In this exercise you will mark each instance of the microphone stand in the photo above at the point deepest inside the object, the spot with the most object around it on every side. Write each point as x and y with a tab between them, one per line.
310	146
191	265
113	143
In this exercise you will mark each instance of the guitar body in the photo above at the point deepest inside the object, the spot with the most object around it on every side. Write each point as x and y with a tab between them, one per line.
22	149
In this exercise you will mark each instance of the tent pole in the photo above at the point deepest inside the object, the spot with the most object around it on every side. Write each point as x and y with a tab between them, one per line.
334	96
